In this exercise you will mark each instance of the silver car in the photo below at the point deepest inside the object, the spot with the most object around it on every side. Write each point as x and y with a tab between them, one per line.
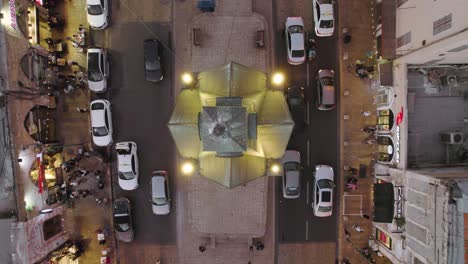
291	174
326	99
123	220
160	193
323	191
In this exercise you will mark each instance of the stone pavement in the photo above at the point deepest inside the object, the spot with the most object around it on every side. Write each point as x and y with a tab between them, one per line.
356	96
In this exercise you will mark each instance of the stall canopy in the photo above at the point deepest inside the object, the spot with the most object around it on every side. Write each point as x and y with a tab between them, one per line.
231	124
384	201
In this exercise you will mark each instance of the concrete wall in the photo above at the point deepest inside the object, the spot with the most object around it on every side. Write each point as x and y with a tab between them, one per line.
418	17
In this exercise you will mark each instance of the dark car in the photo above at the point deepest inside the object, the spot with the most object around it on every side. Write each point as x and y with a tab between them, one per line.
297	105
153	67
123	220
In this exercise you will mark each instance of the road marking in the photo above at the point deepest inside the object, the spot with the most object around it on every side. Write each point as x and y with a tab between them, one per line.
308	152
307	198
307	113
307	230
307	73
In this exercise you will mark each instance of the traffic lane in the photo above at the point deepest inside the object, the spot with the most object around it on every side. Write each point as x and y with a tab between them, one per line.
141	110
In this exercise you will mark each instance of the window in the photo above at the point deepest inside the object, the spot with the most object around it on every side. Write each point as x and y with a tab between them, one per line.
133	165
52	227
404	39
101	61
442	24
383	238
289	40
318	11
106	119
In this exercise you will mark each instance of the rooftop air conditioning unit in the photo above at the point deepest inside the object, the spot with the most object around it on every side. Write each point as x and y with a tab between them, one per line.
451	138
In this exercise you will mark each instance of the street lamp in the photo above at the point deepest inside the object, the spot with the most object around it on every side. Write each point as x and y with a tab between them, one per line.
277	79
187	167
275	168
187	79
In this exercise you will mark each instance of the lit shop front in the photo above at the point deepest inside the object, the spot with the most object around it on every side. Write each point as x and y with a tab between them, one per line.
385	120
385	149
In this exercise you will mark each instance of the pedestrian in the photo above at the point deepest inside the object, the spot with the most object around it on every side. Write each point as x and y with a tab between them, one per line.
251	248
351	186
73	194
369	141
83	193
366	113
347	234
202	248
100	185
97	173
358	228
81	110
72	62
86	154
368	130
75	183
365	216
260	246
83	172
101	237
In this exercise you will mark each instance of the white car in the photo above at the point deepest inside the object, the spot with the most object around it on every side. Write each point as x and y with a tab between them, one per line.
294	31
291	174
323	191
98	69
97	13
101	122
323	18
127	164
160	193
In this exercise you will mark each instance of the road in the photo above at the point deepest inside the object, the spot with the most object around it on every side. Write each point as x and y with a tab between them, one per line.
140	112
318	142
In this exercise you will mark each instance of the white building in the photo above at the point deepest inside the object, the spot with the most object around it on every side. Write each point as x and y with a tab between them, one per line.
423	133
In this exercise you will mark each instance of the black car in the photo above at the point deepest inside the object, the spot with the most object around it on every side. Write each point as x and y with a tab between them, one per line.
153	67
297	105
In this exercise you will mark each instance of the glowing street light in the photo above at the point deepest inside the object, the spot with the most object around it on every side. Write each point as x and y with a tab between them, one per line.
187	168
275	168
278	78
187	78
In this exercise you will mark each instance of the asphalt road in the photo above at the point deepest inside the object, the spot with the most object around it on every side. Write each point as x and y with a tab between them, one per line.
140	112
318	143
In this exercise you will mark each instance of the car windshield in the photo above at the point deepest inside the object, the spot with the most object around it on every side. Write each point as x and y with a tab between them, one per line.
100	131
122	222
295	29
327	81
94	73
291	166
297	53
292	191
159	201
325	2
325	184
326	24
126	175
95	10
324	208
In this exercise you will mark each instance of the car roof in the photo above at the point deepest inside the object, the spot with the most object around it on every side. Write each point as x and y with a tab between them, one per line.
328	95
292	179
297	41
326	12
157	186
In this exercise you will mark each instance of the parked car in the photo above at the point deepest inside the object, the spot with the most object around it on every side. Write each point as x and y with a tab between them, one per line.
127	164
98	69
160	193
97	13
291	174
324	20
295	40
326	99
323	191
101	122
123	220
152	54
297	105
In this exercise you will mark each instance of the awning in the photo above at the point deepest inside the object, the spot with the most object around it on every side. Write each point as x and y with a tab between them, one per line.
384	201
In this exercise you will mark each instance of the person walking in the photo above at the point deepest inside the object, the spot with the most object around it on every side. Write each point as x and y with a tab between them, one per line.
81	110
366	113
358	228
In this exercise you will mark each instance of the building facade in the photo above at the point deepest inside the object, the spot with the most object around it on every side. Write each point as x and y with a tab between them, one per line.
422	122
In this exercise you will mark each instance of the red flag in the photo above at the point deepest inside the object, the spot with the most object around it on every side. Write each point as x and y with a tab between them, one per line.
399	117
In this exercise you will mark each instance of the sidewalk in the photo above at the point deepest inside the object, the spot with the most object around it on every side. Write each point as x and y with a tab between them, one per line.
86	216
356	96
